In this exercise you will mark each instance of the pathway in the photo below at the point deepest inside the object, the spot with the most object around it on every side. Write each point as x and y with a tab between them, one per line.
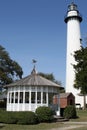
71	125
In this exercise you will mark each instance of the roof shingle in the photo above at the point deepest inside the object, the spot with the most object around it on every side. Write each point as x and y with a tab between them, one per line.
33	80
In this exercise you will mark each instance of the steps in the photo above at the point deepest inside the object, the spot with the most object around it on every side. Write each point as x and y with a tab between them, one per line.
60	119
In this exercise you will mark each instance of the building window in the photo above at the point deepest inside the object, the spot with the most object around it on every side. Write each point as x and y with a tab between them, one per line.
12	97
16	97
26	97
44	97
50	98
9	97
38	97
32	97
21	97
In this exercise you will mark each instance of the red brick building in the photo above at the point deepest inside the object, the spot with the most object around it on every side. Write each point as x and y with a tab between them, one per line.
66	99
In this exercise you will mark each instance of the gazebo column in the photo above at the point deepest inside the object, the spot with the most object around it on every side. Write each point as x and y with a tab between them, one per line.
36	98
8	101
47	99
59	103
30	99
58	109
24	99
9	95
18	100
41	98
14	101
14	97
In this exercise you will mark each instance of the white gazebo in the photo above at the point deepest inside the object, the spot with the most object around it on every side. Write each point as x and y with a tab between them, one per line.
31	92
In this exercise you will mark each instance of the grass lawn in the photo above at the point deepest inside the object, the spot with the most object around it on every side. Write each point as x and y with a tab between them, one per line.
82	116
42	126
47	126
82	128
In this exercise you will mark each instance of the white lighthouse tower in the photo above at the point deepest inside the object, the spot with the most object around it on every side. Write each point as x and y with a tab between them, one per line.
73	19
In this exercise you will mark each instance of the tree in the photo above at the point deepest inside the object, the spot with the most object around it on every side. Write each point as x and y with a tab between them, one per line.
51	77
81	72
9	69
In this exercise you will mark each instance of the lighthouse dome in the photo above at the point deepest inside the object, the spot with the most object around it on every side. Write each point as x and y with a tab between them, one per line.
72	13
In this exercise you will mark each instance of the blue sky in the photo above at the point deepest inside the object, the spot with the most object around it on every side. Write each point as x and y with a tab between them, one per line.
35	29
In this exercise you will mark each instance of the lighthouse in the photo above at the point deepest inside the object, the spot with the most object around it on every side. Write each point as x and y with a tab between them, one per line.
73	20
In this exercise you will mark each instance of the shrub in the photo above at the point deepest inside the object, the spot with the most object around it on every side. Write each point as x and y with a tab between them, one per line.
18	117
70	112
7	117
2	104
45	114
27	118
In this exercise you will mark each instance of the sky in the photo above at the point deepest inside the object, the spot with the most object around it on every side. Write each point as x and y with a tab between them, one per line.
35	29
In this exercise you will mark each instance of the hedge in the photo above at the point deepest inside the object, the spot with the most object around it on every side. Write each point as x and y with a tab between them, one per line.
24	118
27	118
2	104
42	114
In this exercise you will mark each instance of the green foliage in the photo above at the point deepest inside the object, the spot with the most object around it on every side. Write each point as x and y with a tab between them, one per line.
27	118
8	68
23	118
45	114
2	104
50	77
47	76
81	70
7	117
70	112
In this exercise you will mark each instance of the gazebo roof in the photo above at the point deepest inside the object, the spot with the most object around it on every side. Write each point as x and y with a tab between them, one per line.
33	80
